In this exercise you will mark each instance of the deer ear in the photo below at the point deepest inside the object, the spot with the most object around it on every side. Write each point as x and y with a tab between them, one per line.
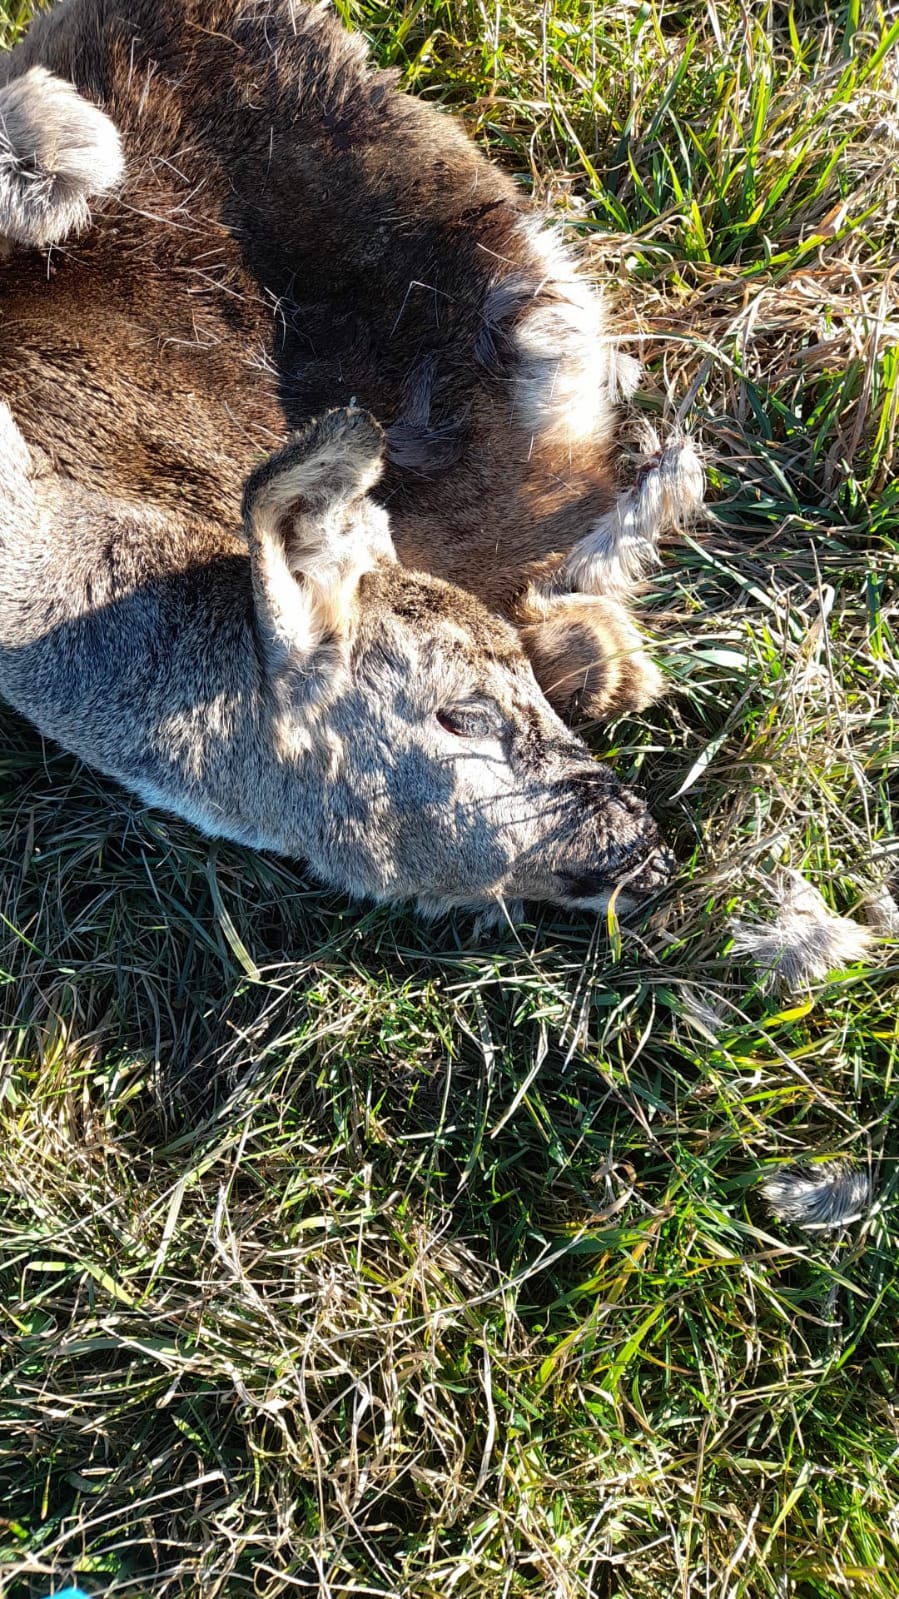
313	531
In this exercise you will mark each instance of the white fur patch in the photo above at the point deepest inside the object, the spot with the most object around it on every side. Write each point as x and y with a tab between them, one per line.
16	467
818	1196
568	375
667	493
15	457
881	911
57	151
805	941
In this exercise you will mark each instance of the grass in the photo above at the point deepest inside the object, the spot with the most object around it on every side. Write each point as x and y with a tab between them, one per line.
345	1255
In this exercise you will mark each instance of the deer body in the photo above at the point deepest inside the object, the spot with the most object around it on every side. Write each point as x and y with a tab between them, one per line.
276	235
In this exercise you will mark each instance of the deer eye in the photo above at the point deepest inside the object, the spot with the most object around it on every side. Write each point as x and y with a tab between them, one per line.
469	721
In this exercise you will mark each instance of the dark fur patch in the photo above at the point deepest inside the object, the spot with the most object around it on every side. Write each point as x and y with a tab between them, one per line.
425	450
421	601
414	441
505	301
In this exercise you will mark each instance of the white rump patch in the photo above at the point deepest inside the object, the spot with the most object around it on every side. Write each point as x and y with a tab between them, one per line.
667	493
567	375
57	151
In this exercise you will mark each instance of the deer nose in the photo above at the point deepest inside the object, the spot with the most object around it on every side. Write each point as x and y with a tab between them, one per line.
639	873
653	873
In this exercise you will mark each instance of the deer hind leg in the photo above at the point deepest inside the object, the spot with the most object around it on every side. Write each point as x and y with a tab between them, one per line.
621	548
588	656
57	152
545	333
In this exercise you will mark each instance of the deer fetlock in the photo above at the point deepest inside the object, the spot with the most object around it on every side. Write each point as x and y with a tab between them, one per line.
622	547
588	655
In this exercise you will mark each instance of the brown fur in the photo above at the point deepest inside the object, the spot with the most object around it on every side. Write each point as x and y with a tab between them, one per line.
233	638
268	256
587	655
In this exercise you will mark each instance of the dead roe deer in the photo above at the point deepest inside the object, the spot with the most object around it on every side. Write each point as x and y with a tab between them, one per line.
225	234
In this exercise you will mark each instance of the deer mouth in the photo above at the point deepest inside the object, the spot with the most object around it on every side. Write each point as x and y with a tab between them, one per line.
639	875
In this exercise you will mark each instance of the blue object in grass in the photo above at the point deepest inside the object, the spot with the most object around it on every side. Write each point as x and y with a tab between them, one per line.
68	1593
